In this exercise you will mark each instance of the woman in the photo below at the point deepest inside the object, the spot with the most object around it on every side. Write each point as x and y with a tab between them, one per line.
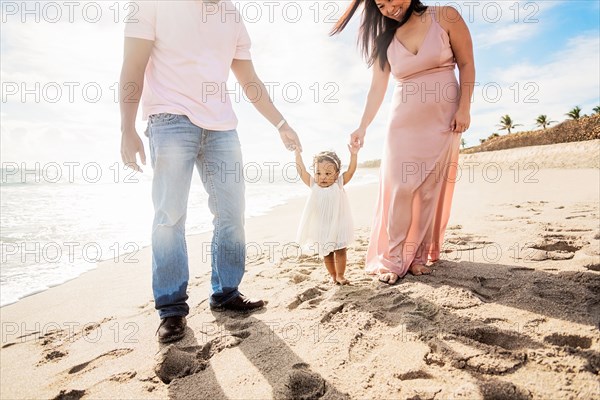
420	47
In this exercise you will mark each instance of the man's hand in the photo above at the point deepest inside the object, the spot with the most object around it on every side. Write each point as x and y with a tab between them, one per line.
136	55
248	79
131	144
290	138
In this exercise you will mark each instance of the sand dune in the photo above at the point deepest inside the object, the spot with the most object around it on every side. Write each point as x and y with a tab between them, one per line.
511	311
563	155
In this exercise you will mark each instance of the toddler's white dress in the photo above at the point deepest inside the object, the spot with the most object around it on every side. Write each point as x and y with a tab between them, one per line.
326	224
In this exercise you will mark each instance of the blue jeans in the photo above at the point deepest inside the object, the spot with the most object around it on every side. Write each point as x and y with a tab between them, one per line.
176	145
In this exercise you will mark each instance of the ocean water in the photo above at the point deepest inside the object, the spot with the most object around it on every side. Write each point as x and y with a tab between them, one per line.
59	221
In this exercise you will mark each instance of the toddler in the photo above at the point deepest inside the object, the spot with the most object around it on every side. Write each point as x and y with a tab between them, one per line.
326	225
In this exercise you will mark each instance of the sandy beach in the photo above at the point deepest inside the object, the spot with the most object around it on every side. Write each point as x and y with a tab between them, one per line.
512	311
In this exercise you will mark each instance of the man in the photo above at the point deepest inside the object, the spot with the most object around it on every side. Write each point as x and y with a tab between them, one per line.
180	54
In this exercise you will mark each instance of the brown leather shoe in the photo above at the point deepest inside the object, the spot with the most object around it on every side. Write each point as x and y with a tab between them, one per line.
240	303
171	329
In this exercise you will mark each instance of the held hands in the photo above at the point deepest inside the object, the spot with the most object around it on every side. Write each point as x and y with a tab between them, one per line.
461	121
131	144
290	138
357	138
354	147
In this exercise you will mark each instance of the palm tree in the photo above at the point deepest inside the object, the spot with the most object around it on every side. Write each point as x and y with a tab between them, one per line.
542	121
507	123
463	142
597	110
574	113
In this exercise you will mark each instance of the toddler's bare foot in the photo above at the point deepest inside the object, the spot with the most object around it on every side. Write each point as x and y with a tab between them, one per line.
342	281
419	269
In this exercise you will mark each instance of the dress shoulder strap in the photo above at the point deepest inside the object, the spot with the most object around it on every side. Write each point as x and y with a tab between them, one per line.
431	9
434	17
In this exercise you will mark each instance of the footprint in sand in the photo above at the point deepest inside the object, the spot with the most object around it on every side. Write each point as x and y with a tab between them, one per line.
89	365
454	298
52	355
392	300
337	308
573	341
552	291
464	242
496	389
491	336
412	375
175	362
53	342
486	360
552	247
123	376
298	278
486	289
485	350
53	337
563	242
301	383
35	336
592	267
392	306
70	395
576	216
309	294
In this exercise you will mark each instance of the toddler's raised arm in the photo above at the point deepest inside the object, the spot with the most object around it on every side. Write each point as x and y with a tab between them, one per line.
304	175
354	147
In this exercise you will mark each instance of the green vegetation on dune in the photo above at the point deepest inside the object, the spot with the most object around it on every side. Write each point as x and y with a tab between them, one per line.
573	130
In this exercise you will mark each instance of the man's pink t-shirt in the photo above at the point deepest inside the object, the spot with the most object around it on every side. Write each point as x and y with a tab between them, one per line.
195	43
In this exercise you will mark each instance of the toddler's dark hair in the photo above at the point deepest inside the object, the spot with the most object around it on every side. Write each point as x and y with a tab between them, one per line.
328	156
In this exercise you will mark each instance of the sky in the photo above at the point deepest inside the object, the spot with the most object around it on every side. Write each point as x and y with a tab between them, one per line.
60	65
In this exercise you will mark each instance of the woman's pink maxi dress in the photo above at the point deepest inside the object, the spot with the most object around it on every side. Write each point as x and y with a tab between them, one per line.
419	164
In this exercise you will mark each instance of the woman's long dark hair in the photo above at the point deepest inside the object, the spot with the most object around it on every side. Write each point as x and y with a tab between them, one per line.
376	30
